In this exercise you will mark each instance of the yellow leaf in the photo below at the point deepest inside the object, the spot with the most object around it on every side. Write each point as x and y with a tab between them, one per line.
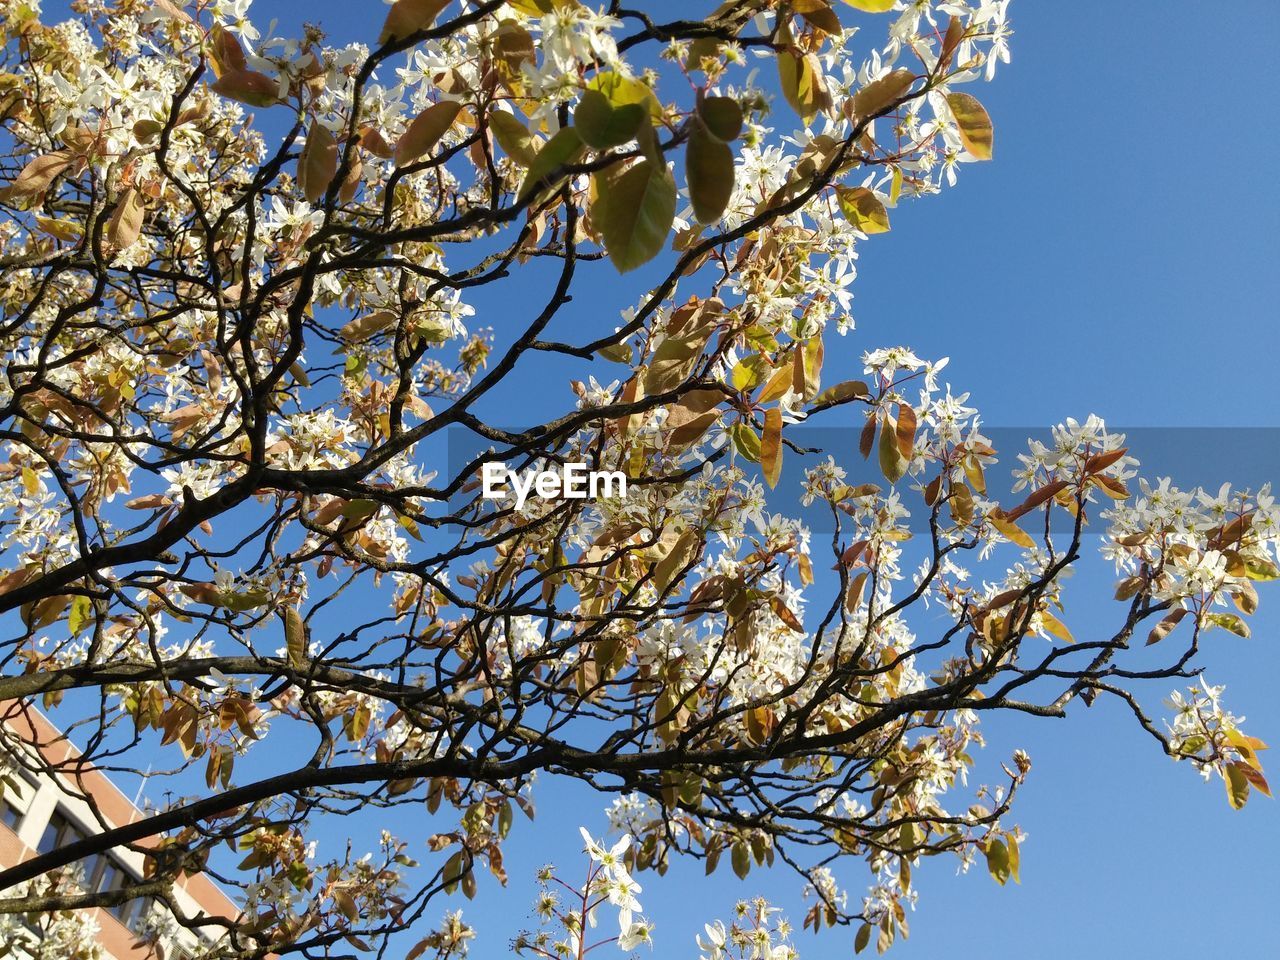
818	13
227	54
974	123
362	328
771	446
295	636
1237	785
1056	627
892	463
778	384
872	6
1011	531
863	209
803	85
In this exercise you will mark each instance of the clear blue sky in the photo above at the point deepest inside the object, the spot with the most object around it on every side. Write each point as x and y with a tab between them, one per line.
1119	257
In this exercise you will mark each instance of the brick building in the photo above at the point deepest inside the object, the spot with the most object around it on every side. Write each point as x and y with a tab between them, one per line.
40	816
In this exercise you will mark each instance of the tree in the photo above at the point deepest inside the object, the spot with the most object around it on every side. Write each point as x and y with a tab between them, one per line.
238	279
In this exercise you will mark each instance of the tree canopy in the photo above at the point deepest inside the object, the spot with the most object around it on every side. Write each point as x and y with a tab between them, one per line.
239	320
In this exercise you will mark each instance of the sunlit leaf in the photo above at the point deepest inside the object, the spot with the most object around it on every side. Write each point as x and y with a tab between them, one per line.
318	163
407	17
974	123
771	446
125	225
863	209
879	94
426	131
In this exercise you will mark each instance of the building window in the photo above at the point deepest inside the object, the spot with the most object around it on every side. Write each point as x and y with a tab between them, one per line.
15	797
60	832
10	815
103	873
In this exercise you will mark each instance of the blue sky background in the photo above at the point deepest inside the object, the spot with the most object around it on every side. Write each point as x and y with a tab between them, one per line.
1117	257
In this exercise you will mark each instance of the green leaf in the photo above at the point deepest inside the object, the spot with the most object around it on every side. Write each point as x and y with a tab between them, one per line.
81	610
602	125
621	91
722	117
513	137
863	209
863	938
741	858
1237	786
1259	568
634	211
892	463
974	123
748	372
564	148
746	442
998	861
847	390
709	173
1230	622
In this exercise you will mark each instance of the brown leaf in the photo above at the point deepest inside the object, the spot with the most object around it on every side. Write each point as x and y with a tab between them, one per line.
248	86
318	163
40	172
407	17
880	94
227	53
126	221
906	430
425	131
1165	626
